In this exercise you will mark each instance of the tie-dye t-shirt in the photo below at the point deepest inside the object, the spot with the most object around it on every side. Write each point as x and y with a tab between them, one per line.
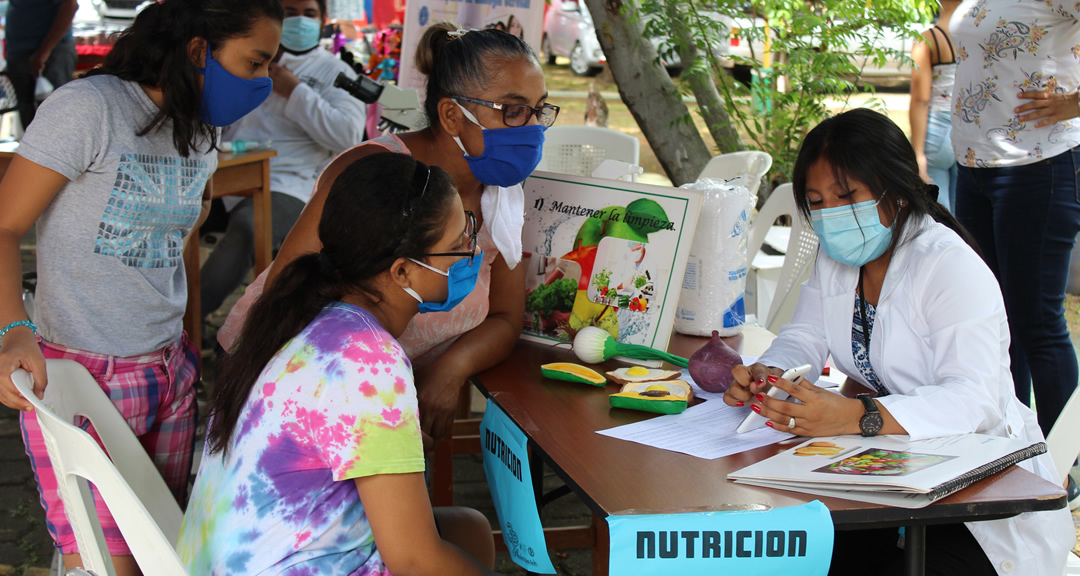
336	403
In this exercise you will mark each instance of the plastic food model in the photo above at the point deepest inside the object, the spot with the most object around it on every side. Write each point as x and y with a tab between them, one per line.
641	374
569	372
666	397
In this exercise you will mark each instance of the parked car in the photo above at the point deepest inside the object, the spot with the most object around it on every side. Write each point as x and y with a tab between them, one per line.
569	32
120	11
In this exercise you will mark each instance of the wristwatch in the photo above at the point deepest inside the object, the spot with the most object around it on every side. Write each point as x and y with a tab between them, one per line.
871	422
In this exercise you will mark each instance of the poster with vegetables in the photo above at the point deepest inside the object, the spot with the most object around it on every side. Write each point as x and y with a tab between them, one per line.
604	253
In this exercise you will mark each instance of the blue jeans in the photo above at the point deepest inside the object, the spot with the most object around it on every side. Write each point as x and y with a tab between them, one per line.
1025	219
940	161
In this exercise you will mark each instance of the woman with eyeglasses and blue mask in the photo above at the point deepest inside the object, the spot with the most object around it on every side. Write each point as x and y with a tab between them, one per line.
487	106
115	173
902	301
314	460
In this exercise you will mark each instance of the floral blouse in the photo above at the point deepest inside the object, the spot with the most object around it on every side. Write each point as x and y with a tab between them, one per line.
1004	47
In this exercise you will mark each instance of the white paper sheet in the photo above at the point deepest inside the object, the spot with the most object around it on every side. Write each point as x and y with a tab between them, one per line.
704	431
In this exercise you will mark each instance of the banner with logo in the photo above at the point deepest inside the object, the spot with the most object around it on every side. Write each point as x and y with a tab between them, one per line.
506	465
790	540
523	18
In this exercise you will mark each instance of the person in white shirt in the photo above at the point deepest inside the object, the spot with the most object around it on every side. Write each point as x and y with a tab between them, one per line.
1017	139
309	121
907	309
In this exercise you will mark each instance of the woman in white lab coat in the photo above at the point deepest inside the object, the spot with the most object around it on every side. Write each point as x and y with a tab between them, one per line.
936	351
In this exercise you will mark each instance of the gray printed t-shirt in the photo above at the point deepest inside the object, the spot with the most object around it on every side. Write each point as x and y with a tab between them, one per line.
110	245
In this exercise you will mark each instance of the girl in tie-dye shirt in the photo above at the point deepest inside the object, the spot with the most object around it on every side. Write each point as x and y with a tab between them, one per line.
314	459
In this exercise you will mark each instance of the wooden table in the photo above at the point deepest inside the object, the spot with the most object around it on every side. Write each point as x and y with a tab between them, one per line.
618	477
240	174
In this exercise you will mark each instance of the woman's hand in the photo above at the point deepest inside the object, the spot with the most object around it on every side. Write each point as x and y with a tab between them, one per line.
1048	106
822	413
437	389
20	350
920	159
749	380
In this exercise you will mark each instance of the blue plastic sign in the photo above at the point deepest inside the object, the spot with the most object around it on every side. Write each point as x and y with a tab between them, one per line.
506	465
791	540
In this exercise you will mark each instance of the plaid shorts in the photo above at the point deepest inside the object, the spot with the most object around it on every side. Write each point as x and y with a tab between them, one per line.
155	393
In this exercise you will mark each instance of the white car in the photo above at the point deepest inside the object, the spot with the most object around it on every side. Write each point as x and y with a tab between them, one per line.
569	32
120	11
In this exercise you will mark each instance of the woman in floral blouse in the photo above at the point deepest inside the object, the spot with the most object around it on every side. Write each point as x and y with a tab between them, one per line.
1015	133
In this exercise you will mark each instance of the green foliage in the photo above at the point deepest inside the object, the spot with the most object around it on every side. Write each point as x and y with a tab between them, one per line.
601	279
555	297
815	52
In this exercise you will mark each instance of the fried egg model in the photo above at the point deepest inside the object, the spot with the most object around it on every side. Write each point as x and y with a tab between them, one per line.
569	372
666	397
635	374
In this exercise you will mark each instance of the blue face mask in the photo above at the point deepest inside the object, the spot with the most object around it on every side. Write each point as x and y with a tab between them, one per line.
510	154
300	33
460	281
851	235
227	98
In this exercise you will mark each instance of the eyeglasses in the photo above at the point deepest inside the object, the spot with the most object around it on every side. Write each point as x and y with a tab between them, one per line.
515	115
470	231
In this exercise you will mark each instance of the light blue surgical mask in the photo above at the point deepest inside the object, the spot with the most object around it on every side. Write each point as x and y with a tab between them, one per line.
300	33
460	281
852	235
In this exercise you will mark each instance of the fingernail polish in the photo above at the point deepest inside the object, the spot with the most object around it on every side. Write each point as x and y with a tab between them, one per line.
769	424
756	408
760	398
773	379
761	381
740	404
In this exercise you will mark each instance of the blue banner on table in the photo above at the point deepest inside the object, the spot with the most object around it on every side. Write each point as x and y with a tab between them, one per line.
791	540
506	465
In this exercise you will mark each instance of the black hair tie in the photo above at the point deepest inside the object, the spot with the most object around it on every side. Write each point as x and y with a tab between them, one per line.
326	265
932	191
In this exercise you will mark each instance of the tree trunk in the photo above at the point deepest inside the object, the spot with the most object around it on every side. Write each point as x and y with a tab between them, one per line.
700	79
649	93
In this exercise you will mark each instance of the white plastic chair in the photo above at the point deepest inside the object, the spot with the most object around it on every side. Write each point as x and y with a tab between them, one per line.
578	150
798	258
755	163
1063	441
145	510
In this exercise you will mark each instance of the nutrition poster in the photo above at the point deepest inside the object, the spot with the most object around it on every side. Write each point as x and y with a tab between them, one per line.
604	253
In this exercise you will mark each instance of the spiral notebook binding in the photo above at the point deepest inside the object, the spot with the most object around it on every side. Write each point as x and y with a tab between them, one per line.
988	469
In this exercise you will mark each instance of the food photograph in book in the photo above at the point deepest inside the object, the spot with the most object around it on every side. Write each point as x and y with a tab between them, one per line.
881	462
610	256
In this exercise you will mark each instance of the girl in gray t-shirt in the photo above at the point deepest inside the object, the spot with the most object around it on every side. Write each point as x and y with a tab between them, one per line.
115	171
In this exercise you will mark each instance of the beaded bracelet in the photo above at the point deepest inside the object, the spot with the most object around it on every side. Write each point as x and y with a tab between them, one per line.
27	323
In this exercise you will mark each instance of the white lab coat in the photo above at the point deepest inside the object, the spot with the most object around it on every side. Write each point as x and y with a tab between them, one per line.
316	123
940	344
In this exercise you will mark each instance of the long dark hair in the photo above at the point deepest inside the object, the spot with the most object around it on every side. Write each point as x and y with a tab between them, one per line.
869	147
380	208
460	65
154	52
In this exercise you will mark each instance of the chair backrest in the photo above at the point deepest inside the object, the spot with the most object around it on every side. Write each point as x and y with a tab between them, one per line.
578	150
801	249
142	505
1063	441
727	166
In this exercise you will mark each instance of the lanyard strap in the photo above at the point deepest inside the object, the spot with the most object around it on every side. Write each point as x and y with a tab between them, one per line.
862	313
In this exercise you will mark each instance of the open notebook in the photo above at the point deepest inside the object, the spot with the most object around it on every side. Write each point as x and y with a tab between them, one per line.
888	470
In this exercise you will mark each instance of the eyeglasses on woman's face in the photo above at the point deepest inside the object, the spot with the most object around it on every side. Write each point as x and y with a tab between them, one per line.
469	239
515	115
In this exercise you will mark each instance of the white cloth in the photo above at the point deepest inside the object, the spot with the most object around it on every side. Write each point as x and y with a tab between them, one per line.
316	123
503	210
941	346
1004	48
